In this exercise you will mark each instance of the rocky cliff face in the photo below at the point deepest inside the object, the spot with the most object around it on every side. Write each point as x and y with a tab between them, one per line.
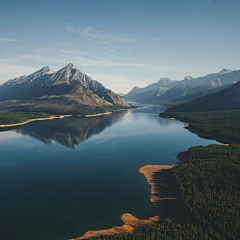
68	86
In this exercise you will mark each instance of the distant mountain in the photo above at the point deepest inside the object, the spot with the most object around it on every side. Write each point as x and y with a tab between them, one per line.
152	92
67	87
175	92
227	99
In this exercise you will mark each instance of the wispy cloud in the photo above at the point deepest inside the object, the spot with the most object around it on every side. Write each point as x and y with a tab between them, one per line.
91	32
119	78
157	39
101	37
90	59
8	40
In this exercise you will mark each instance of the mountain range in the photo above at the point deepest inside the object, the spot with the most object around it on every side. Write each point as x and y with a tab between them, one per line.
173	92
227	99
58	92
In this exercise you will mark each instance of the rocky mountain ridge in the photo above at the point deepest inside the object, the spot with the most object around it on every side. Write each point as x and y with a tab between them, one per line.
227	99
174	92
67	86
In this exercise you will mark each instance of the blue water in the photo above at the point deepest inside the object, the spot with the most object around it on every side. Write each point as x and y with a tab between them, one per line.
62	177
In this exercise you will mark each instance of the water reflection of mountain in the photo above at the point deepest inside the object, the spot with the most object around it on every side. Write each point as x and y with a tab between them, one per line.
69	131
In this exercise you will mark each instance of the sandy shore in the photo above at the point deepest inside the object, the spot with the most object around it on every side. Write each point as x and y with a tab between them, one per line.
149	172
107	113
61	116
98	114
34	119
124	229
135	222
131	222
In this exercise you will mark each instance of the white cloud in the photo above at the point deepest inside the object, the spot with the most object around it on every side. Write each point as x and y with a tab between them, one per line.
7	40
91	32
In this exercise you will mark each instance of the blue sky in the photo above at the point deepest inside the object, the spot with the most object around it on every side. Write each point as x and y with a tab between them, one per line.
120	43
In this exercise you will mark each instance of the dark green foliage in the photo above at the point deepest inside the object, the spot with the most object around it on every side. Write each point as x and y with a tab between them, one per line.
13	118
209	186
110	108
18	117
222	124
169	230
97	110
83	111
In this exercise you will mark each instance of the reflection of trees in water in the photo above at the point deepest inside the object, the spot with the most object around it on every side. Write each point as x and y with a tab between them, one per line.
69	131
165	122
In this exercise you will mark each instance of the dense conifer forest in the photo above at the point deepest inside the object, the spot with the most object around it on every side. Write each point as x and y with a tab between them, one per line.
209	186
222	124
18	117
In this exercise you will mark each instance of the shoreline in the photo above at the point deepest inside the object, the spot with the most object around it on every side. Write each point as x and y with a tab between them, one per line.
222	139
33	120
150	172
211	136
62	116
132	223
97	114
110	112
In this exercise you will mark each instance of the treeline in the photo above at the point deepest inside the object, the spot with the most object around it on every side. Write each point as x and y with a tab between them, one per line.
168	230
97	110
209	187
18	117
13	118
225	124
111	108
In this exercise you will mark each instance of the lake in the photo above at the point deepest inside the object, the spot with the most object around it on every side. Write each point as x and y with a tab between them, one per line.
62	177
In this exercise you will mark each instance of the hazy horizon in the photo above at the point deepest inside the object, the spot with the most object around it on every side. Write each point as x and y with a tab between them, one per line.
120	44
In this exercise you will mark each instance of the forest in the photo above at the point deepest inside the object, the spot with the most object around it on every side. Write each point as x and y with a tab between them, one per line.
18	117
223	124
208	182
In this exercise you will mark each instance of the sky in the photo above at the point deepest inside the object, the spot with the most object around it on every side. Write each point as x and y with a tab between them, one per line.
120	43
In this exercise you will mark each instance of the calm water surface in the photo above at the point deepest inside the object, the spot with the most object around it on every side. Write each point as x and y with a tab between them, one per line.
62	177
